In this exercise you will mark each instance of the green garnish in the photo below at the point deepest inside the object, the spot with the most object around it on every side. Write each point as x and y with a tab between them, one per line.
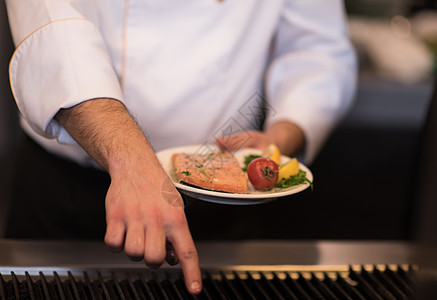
300	178
199	165
248	159
186	173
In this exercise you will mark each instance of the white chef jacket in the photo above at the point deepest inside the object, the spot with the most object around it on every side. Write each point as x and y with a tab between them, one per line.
187	71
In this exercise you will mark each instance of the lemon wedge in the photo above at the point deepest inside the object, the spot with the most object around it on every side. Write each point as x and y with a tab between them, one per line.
289	169
273	153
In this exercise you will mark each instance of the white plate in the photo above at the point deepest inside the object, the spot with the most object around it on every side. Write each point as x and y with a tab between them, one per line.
253	197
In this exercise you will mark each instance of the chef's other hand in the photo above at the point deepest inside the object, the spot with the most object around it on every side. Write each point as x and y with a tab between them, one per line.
145	216
287	136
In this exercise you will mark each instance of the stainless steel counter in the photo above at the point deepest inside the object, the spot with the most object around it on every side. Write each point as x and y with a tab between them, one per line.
94	254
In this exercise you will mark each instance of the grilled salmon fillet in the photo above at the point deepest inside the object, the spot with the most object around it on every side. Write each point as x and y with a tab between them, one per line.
219	171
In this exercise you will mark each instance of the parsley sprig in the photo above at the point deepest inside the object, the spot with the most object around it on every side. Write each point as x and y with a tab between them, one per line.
299	178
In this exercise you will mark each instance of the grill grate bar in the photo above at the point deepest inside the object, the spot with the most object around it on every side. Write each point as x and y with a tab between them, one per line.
295	286
158	289
400	282
336	288
350	287
103	287
283	288
212	285
172	290
16	286
59	287
407	278
258	288
406	275
73	285
131	287
67	289
39	290
90	287
242	284
180	285
360	282
83	290
391	286
255	284
323	288
118	288
273	291
206	291
45	286
309	287
366	287
30	286
377	285
230	288
2	288
147	289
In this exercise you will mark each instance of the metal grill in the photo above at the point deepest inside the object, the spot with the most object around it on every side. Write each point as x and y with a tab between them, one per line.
355	282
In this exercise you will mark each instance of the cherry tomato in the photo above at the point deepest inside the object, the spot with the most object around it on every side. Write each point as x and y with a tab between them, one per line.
263	173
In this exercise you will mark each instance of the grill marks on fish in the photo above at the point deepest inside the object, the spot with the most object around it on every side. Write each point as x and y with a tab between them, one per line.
217	171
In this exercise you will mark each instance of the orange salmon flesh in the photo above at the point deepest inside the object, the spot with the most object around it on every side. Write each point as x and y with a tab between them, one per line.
219	171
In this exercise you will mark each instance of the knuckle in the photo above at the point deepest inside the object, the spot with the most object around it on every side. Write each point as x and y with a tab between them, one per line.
154	219
179	221
113	215
189	254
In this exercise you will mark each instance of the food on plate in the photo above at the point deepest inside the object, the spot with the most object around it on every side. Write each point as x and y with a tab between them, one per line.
217	171
273	153
248	159
289	173
263	173
291	168
221	171
299	178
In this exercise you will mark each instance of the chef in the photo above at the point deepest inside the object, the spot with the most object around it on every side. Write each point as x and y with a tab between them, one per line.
102	85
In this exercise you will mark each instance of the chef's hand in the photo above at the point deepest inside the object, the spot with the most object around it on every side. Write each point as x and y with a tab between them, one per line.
145	216
287	136
144	212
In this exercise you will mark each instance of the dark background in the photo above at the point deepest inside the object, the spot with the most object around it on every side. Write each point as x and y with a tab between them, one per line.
364	176
8	113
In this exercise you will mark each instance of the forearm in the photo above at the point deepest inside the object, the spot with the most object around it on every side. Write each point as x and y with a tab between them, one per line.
104	128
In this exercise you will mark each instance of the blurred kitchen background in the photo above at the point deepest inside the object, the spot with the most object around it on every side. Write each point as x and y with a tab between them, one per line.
365	175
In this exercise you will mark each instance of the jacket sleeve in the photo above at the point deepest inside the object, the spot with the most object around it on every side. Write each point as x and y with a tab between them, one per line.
311	79
60	60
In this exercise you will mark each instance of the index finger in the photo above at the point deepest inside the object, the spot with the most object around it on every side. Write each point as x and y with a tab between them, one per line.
185	249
